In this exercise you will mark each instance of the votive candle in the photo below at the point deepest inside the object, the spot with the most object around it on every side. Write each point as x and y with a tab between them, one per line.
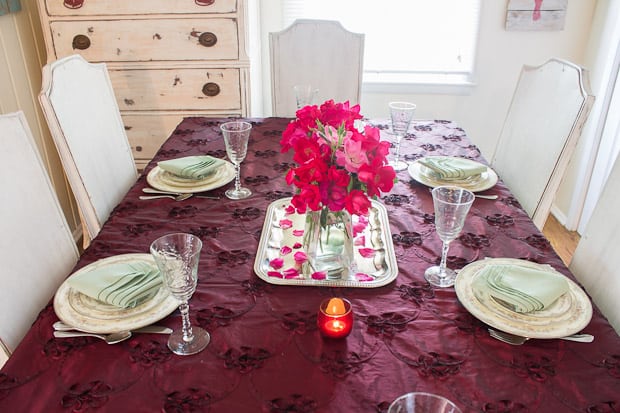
335	317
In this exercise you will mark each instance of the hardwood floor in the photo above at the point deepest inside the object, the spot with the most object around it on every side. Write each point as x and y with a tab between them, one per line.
563	241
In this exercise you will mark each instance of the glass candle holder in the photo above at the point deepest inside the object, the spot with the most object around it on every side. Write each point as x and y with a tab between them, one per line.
335	318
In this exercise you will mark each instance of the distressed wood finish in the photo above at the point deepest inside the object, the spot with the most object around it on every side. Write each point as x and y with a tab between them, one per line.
167	59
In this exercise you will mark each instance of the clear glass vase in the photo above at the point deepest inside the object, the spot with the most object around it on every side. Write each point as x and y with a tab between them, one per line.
328	241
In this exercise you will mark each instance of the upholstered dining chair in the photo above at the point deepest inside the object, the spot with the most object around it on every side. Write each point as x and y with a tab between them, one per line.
37	249
319	53
83	116
596	260
549	107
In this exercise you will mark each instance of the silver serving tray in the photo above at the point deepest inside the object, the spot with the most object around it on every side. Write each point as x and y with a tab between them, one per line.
381	267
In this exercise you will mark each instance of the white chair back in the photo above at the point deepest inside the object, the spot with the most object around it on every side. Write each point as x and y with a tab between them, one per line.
81	110
548	109
596	261
37	249
320	53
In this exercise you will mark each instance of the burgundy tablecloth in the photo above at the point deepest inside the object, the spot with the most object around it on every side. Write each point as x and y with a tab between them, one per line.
266	353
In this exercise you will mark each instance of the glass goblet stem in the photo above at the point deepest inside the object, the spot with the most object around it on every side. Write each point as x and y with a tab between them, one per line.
397	154
237	177
444	258
188	334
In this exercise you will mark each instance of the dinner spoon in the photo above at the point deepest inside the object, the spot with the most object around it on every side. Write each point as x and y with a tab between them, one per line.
516	340
111	338
180	197
157	191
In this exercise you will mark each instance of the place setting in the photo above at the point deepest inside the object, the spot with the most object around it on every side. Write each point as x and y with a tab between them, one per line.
436	171
117	296
182	178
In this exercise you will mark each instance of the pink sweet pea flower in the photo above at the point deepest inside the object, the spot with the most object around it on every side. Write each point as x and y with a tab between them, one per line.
360	276
286	223
367	252
290	273
319	275
300	257
276	263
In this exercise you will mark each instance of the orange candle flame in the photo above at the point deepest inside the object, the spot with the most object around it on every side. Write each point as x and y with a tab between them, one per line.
335	307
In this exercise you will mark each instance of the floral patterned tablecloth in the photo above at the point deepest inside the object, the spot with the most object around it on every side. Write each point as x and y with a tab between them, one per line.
266	353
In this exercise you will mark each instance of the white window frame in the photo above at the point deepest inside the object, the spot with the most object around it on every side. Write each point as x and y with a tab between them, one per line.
456	80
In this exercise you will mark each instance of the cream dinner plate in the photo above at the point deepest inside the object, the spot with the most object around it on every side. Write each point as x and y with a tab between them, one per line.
478	183
88	314
569	314
165	181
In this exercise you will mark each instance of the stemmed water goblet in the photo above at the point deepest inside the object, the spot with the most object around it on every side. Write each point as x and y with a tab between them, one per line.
177	256
401	114
304	95
451	206
236	135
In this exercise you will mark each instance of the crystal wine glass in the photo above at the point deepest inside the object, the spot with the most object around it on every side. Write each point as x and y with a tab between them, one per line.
451	207
236	135
304	95
401	114
177	257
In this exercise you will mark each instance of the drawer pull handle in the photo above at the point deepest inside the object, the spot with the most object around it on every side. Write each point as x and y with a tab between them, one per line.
138	148
207	39
211	89
204	2
81	42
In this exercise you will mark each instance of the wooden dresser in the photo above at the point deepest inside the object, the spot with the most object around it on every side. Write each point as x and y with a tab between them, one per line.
167	59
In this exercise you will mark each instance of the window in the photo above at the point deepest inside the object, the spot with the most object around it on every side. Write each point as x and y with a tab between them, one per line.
406	41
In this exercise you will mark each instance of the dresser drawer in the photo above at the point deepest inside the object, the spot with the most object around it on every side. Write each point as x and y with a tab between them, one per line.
147	132
147	40
177	89
121	7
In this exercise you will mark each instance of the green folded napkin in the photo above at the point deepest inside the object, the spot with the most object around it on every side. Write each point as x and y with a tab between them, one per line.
447	167
123	285
520	288
192	167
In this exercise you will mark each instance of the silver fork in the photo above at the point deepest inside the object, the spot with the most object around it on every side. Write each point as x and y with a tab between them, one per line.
180	197
516	340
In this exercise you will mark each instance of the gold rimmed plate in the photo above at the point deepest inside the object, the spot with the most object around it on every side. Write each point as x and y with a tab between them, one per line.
165	181
476	183
89	314
569	314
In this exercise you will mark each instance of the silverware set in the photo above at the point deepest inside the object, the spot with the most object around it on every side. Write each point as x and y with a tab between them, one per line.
518	340
177	196
62	330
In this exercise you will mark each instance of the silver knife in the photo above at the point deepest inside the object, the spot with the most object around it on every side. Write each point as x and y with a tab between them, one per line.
153	329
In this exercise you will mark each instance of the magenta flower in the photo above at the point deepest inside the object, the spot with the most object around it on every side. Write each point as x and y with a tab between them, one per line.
286	223
300	257
319	275
276	263
290	273
367	252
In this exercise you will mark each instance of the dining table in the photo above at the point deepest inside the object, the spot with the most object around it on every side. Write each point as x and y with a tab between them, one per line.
266	352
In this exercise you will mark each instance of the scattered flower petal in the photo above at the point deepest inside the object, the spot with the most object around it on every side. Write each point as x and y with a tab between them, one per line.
359	228
359	241
276	263
276	274
297	245
286	223
298	232
300	257
363	277
290	273
285	250
289	210
319	275
367	252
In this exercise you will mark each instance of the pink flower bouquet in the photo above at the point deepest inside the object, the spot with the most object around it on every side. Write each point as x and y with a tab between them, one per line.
338	167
